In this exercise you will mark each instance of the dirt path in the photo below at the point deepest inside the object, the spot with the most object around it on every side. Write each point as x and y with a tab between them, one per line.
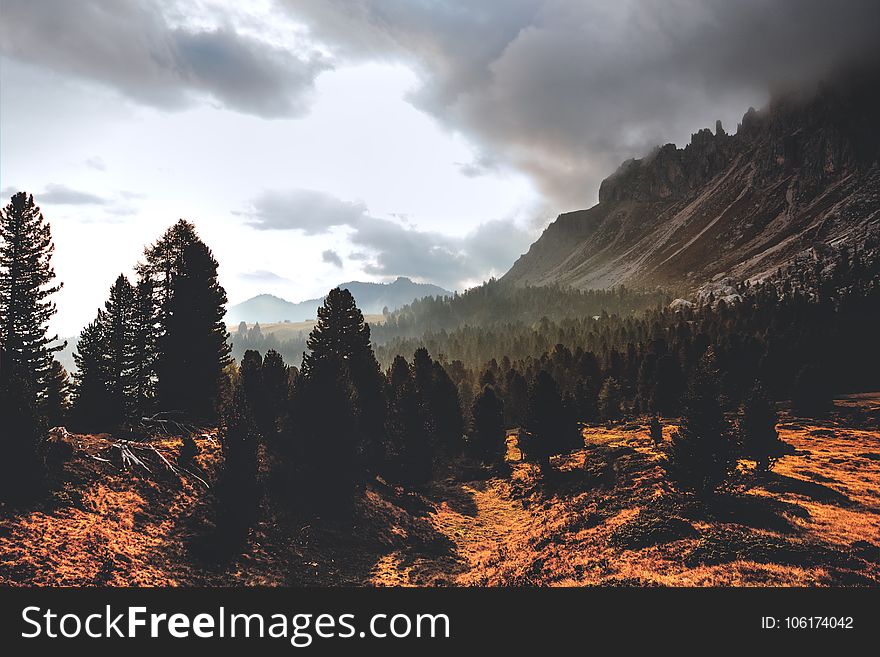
474	522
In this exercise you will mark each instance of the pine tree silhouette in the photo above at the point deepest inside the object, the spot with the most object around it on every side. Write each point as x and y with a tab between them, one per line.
445	409
487	430
610	400
549	427
21	470
92	378
407	429
193	347
237	490
702	452
757	429
586	397
144	334
516	398
56	403
326	455
275	390
26	285
342	337
118	315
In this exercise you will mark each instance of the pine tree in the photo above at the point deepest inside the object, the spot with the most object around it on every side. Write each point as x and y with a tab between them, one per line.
757	429
26	277
275	387
610	400
586	398
193	347
329	471
487	430
56	404
162	263
549	426
143	337
423	378
237	490
702	453
516	398
342	337
92	378
445	408
118	316
407	428
21	470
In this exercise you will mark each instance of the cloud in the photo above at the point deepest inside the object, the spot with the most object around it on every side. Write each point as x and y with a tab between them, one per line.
310	211
387	247
134	48
565	90
262	276
96	162
331	257
55	194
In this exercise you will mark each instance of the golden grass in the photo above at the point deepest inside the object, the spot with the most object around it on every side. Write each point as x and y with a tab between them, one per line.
115	527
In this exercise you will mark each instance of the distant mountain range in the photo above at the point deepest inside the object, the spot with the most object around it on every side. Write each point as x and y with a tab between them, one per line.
800	176
371	298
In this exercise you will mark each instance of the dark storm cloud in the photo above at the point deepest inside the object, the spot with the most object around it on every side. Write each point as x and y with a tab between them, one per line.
389	248
331	258
566	90
131	47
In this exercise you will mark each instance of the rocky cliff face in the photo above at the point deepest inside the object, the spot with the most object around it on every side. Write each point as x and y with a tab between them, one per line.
802	173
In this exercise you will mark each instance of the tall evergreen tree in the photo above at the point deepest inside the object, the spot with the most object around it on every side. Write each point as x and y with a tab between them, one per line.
516	398
586	398
487	429
21	470
56	403
549	427
237	490
26	285
407	428
275	387
119	311
342	337
423	379
445	408
163	260
144	345
329	470
757	429
610	400
193	347
702	452
92	378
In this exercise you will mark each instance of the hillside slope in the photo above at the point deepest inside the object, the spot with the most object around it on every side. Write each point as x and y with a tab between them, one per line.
801	174
606	518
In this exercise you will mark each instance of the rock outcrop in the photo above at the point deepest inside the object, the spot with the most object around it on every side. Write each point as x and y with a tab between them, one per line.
800	174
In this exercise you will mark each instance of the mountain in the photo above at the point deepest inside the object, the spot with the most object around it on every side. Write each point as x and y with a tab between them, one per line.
802	174
371	298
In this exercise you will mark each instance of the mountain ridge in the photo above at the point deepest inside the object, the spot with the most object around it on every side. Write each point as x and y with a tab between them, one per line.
370	297
801	174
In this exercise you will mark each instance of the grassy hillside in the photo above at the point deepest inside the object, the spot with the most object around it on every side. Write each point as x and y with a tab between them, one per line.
605	517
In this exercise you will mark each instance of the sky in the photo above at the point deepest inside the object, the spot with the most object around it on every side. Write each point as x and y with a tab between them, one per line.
319	141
